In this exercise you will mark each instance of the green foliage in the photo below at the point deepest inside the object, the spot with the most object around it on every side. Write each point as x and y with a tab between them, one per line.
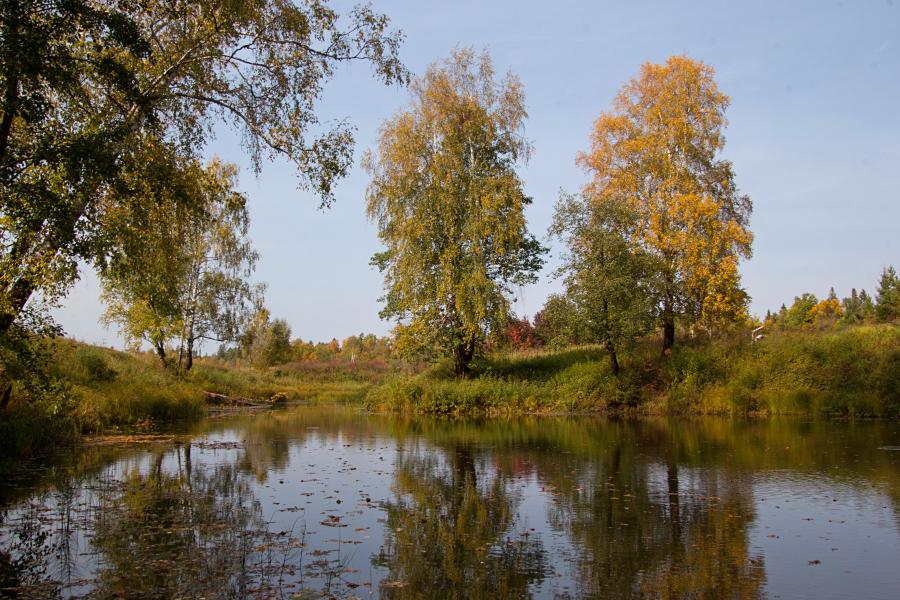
449	207
277	346
570	380
887	299
557	324
848	372
608	280
181	269
800	313
88	87
95	366
266	342
844	372
857	308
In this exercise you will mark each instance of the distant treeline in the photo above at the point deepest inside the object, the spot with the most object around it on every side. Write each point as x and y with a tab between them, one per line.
270	344
858	307
556	325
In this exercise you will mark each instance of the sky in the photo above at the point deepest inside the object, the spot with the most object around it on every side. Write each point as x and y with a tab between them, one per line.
814	137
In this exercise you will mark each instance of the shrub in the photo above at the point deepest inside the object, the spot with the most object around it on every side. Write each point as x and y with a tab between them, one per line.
95	366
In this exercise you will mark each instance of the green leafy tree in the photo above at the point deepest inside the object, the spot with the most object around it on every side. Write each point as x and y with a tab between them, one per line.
449	207
86	85
183	273
858	308
867	306
558	324
800	313
606	276
277	346
887	298
265	341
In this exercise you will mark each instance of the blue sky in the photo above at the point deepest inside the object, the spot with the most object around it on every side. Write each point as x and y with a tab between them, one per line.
814	136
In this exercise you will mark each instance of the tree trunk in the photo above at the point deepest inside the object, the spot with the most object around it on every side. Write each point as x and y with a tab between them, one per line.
5	394
161	353
13	36
461	361
189	359
613	359
16	299
668	333
462	357
17	295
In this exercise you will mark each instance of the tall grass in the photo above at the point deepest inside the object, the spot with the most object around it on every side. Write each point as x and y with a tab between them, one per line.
570	380
99	390
113	389
851	372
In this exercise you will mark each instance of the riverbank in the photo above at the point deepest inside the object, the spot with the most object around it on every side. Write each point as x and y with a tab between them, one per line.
848	372
100	390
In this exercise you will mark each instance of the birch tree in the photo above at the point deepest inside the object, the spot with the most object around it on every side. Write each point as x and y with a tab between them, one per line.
658	153
449	206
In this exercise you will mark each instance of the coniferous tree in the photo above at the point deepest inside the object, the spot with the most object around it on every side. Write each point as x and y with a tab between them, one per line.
887	298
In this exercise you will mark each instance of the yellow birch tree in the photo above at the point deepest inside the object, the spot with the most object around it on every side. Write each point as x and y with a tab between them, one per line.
658	152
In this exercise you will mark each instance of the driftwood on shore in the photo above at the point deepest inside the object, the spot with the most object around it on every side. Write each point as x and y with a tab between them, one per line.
215	398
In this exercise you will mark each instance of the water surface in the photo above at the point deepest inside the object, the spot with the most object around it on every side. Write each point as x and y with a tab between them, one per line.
313	501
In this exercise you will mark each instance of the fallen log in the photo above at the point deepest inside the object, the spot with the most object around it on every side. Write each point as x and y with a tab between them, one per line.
214	398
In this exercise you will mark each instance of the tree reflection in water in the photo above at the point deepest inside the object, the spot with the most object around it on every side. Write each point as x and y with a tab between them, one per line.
185	534
403	508
192	531
449	535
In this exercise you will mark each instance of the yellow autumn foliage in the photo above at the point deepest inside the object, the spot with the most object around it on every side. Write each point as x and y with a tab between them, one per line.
658	151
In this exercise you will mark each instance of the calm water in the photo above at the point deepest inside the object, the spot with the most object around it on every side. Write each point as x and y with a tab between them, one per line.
327	501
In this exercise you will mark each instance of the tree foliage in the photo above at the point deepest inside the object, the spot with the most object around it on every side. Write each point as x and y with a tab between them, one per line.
887	299
857	308
608	279
449	207
557	324
182	271
85	85
658	154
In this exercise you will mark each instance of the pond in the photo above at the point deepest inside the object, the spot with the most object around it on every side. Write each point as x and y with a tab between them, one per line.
328	501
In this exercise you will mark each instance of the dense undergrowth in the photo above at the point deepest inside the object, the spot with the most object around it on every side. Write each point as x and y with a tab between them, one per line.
853	371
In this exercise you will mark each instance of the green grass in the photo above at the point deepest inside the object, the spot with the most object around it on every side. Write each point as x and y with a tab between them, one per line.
571	380
100	390
852	372
846	372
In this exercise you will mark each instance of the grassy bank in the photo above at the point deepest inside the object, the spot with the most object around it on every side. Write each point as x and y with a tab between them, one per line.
98	390
841	372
